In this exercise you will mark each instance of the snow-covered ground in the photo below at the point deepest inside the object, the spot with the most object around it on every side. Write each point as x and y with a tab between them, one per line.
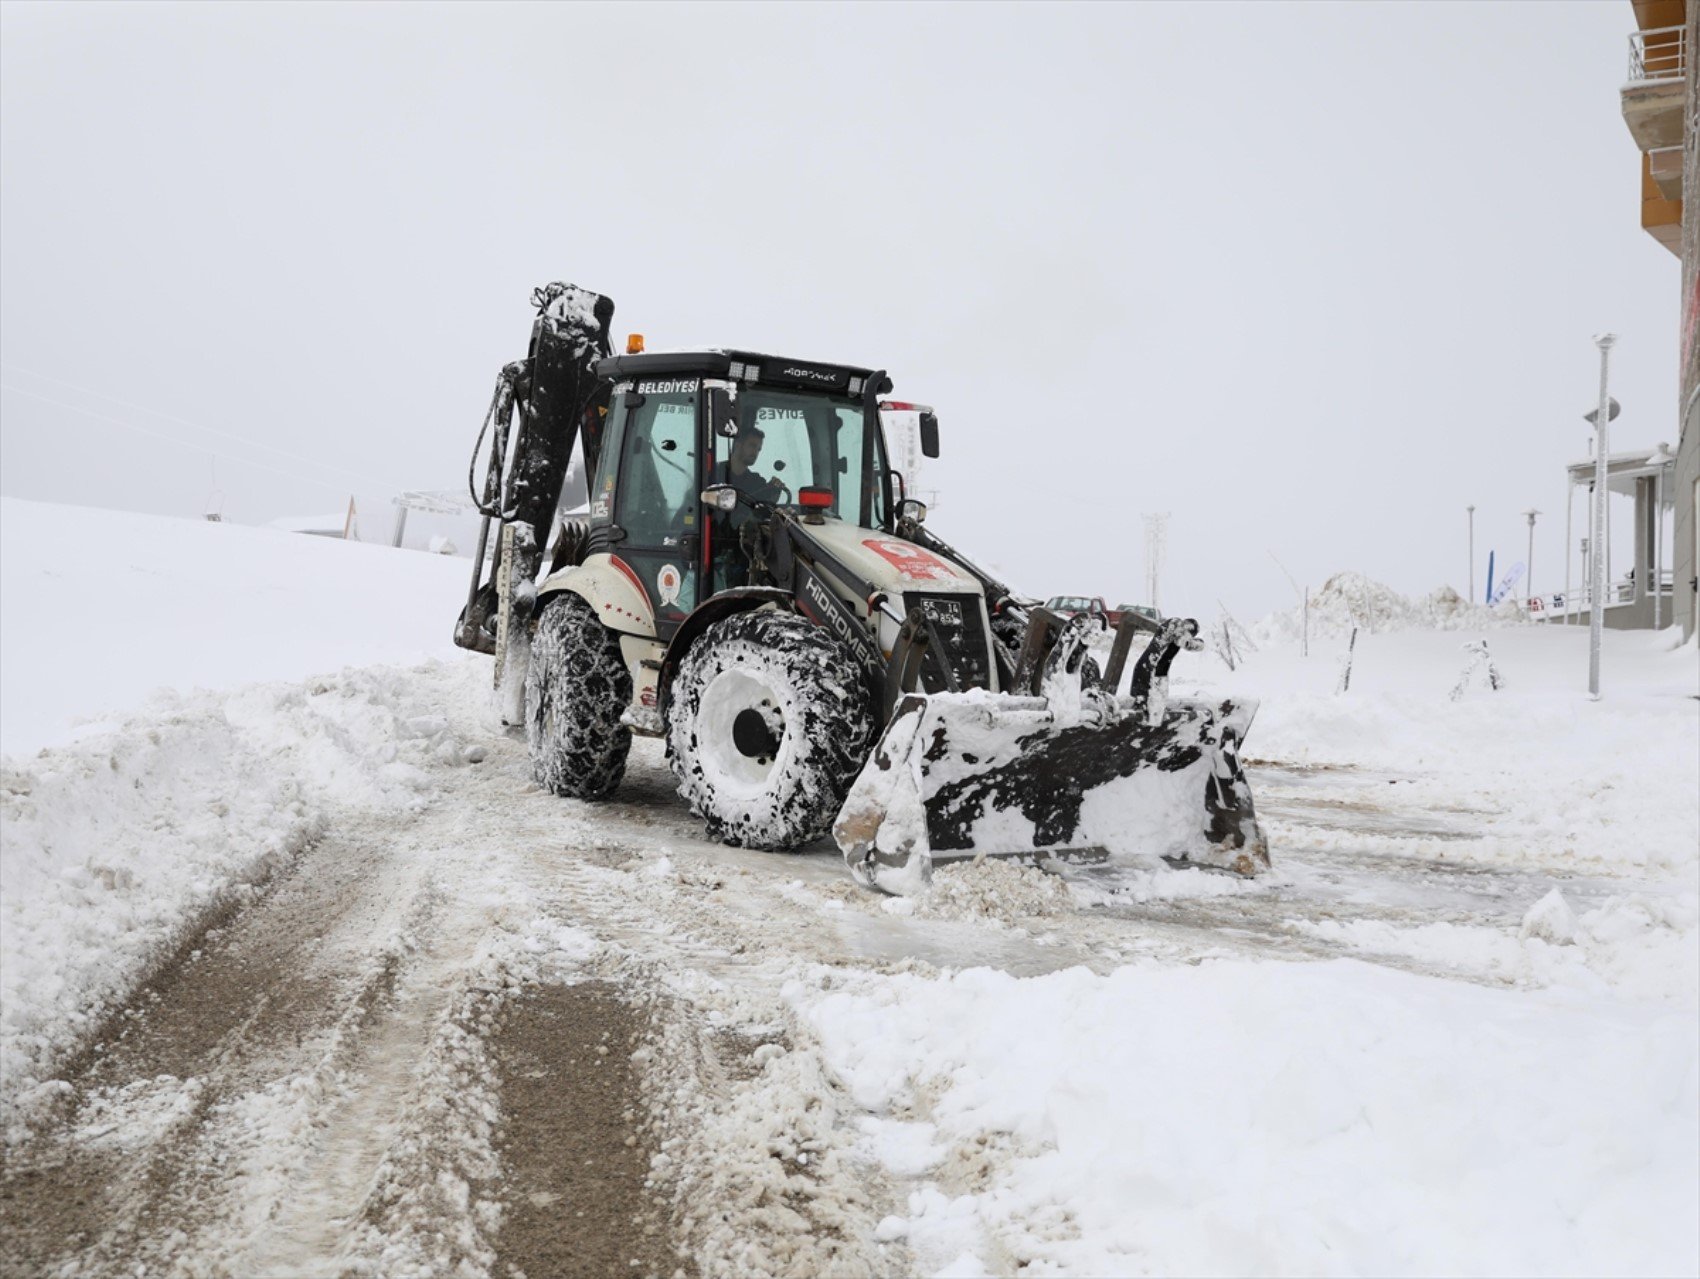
102	607
1457	1029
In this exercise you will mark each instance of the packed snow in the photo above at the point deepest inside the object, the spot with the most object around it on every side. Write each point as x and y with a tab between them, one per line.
1456	1028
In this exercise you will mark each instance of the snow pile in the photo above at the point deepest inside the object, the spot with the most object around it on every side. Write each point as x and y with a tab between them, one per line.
117	846
1349	600
990	889
1242	1118
1550	920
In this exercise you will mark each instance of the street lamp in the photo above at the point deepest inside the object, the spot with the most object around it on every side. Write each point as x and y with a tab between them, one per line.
1600	417
1529	563
1472	595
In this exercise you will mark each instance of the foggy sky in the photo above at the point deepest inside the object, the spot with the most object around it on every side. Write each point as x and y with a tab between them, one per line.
1309	278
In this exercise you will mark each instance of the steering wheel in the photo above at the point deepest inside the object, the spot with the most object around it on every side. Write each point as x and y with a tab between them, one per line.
783	487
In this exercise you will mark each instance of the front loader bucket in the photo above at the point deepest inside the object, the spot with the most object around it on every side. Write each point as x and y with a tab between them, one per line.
960	775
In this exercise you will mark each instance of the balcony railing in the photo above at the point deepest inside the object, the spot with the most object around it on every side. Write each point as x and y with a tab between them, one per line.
1617	593
1658	54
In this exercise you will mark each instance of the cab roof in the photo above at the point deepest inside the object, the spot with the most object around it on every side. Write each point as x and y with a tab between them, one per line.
746	366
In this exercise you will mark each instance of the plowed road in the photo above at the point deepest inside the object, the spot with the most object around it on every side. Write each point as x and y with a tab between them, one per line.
519	1035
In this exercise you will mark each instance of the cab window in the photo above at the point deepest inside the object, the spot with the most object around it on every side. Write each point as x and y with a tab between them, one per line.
658	470
808	441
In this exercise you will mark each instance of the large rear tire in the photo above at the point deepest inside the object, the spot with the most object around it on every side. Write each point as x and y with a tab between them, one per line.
576	688
769	724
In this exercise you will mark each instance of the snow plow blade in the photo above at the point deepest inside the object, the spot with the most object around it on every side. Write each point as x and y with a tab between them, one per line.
963	775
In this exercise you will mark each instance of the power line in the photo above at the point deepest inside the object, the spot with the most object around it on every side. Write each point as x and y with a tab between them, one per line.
181	443
183	421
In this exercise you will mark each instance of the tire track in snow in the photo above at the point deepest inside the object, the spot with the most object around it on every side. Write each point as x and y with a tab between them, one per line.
165	1129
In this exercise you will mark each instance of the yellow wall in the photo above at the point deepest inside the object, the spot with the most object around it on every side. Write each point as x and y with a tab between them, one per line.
1661	218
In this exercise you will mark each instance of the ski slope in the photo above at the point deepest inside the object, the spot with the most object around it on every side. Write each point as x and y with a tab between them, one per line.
318	926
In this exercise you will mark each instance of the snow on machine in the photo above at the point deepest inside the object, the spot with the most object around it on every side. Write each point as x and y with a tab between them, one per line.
710	547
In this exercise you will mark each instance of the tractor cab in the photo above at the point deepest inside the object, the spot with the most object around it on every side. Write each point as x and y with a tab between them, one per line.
782	433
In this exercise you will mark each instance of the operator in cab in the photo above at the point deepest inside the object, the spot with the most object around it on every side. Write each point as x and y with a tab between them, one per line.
732	566
738	470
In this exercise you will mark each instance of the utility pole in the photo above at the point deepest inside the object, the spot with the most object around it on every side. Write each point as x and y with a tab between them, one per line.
1529	564
1472	595
1597	565
1155	529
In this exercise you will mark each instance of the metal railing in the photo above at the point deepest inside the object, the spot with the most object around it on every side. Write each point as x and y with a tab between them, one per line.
1658	54
1620	592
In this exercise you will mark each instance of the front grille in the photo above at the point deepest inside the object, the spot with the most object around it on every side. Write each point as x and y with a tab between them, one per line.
960	621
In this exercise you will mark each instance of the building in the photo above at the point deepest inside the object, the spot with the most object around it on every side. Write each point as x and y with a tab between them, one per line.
1640	597
1661	106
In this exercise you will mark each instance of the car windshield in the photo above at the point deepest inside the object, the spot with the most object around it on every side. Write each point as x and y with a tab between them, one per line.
802	440
1077	602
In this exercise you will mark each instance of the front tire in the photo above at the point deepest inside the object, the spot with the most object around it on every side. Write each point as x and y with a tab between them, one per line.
769	724
576	688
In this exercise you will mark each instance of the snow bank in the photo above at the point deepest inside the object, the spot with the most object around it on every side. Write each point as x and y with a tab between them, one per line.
117	846
102	607
1243	1118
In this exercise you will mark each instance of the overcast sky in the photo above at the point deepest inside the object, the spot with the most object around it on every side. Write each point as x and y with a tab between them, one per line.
1310	278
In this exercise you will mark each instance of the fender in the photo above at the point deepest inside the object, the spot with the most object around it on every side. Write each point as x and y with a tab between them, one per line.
822	606
738	600
610	587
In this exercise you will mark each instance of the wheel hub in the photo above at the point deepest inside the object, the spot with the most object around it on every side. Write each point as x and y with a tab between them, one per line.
753	736
741	730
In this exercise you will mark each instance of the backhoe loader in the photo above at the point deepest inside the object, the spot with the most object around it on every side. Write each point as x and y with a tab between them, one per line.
710	547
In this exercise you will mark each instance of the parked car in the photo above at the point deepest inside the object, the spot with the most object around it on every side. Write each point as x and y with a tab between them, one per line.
1069	605
1144	610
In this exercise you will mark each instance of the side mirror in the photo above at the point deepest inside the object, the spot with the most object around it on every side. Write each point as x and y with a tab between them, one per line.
929	434
910	511
722	413
720	497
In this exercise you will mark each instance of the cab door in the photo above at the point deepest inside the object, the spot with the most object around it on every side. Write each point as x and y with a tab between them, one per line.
656	495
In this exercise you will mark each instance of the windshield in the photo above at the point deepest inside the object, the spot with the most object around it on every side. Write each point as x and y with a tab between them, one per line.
791	440
1077	602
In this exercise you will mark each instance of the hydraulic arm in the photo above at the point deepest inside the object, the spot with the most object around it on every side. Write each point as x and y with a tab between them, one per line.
542	407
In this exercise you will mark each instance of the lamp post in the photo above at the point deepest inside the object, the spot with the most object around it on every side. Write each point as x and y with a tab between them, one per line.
1529	563
1472	513
1600	417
